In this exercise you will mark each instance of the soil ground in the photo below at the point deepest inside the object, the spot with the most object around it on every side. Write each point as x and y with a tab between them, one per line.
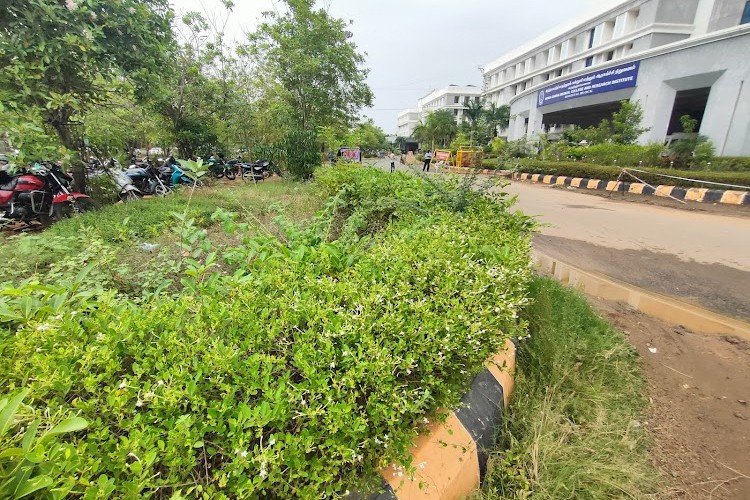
699	390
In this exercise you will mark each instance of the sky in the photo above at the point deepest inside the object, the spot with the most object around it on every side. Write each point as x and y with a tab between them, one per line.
415	46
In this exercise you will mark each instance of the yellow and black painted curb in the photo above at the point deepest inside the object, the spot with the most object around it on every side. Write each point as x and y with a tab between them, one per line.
702	195
451	459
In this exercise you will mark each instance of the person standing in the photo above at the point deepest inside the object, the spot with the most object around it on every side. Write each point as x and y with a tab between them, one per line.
427	160
392	157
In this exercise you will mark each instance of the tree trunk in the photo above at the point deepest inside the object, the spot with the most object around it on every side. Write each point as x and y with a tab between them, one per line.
59	119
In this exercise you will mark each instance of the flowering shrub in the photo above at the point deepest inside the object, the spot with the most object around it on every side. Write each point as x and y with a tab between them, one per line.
284	367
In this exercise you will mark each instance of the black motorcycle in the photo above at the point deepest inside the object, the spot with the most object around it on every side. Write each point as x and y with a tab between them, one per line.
149	178
257	171
218	168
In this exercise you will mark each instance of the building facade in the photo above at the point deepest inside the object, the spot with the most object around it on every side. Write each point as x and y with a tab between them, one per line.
454	98
673	57
407	121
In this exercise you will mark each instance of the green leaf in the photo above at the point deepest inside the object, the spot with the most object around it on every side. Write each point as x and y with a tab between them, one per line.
71	424
31	485
9	410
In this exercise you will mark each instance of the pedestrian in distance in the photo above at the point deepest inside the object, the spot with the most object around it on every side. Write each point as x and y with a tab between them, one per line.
427	160
392	157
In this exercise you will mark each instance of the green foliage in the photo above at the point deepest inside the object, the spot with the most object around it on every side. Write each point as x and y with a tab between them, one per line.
591	135
62	57
630	155
626	123
33	461
438	130
299	153
308	61
496	117
289	366
367	136
730	164
593	171
574	430
689	124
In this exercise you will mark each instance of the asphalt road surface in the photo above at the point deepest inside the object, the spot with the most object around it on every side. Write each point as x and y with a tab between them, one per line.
703	258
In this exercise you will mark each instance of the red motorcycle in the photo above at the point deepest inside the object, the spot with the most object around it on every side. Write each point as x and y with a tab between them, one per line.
40	195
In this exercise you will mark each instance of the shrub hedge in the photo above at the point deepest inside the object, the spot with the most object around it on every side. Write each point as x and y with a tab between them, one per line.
731	163
651	175
284	367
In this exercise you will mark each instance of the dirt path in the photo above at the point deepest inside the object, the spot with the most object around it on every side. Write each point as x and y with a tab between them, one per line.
699	390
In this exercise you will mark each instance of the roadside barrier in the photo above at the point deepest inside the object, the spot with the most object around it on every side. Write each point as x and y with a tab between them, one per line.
451	459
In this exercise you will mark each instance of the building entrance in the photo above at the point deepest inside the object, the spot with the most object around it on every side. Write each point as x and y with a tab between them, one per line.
688	102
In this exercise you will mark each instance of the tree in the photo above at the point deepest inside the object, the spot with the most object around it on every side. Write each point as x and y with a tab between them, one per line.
308	59
626	123
367	136
439	127
497	117
64	57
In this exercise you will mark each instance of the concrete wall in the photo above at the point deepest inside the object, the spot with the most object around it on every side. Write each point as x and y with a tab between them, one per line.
721	65
681	11
726	14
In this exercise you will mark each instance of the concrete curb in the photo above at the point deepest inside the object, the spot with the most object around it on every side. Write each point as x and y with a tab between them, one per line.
701	195
451	460
658	306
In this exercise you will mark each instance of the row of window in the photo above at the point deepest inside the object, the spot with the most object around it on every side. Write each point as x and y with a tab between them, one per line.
599	35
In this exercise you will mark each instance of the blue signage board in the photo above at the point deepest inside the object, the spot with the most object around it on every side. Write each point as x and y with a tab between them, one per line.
606	80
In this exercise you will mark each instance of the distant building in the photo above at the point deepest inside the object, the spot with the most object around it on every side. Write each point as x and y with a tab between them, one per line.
674	57
407	120
454	98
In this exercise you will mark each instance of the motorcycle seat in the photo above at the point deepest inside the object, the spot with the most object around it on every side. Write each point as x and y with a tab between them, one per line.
8	184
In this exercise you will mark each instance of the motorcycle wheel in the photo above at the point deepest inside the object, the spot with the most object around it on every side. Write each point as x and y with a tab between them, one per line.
64	210
130	196
161	190
231	175
266	174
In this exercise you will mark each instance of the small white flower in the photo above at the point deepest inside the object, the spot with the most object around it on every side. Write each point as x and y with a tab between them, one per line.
422	465
263	472
139	403
271	442
38	349
345	353
346	493
160	383
149	395
333	365
123	385
377	441
243	453
425	421
408	372
131	10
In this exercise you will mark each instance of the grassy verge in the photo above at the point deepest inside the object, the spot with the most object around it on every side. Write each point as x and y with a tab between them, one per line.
573	429
125	228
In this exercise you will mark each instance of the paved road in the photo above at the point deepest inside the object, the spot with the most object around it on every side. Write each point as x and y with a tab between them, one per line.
700	257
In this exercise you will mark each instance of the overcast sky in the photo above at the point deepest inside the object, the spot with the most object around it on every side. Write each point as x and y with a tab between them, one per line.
416	46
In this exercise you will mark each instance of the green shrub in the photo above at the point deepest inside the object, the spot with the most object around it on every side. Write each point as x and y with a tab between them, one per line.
651	175
730	164
287	367
631	155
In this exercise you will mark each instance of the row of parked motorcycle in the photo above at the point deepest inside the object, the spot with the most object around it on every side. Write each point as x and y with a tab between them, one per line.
145	177
42	193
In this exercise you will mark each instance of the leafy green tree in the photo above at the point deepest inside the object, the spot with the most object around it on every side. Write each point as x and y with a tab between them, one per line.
367	136
315	66
626	123
496	117
438	129
474	112
63	57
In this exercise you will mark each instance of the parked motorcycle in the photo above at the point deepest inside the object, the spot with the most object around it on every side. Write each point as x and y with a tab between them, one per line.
218	168
41	194
257	171
149	179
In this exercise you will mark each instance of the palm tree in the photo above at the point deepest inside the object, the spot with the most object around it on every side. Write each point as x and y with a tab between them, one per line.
439	127
497	116
474	111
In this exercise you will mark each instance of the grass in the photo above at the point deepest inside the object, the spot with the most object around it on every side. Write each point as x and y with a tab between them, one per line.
125	227
573	430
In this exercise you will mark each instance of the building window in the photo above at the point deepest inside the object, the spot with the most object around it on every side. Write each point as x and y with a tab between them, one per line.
589	61
746	14
610	55
455	112
456	99
591	38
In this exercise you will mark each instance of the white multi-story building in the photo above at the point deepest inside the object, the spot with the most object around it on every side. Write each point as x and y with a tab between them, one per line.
675	57
407	120
454	98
